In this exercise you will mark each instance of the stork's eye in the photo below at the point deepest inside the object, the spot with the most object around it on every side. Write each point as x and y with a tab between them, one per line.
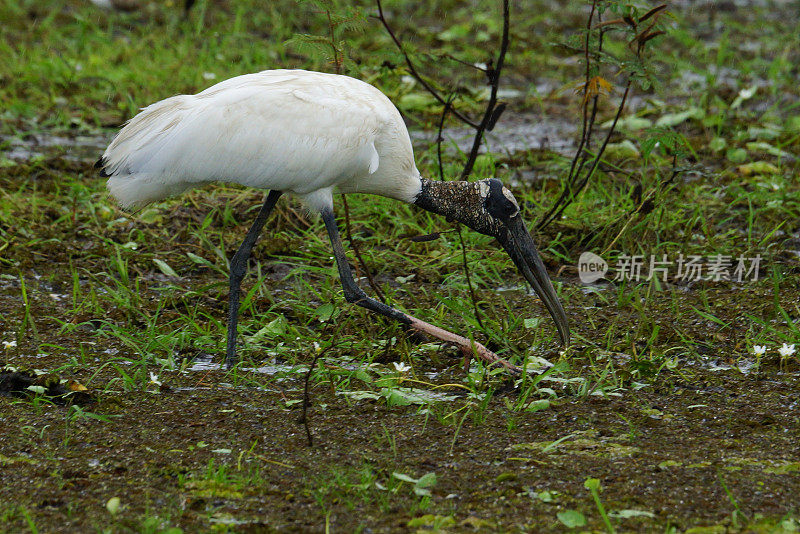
500	203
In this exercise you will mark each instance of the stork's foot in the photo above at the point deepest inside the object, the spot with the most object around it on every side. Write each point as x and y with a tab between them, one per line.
467	347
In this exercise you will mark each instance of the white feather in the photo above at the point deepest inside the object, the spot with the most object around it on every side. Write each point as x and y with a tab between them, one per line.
296	131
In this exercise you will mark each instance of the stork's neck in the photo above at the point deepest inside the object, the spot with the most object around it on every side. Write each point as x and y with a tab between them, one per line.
457	201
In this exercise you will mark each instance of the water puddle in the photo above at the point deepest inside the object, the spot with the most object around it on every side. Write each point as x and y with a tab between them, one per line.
523	288
714	365
511	134
78	148
203	362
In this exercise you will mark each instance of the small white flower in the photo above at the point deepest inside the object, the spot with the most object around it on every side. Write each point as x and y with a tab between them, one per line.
9	344
748	92
154	379
759	350
786	350
209	76
401	367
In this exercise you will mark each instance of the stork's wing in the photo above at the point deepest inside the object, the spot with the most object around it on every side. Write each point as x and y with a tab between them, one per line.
272	130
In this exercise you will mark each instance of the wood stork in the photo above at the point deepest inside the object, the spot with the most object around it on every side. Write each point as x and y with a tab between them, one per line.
308	134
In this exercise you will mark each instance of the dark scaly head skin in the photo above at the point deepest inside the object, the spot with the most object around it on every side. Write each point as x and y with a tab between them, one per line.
489	208
478	205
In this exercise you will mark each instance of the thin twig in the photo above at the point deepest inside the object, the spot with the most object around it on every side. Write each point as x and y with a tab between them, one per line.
465	63
595	100
585	131
597	158
596	97
472	295
439	137
337	64
489	117
306	396
494	81
410	64
465	265
600	152
579	153
574	185
357	252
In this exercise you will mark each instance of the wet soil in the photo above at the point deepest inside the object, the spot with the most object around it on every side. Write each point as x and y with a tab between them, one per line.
701	445
688	434
669	452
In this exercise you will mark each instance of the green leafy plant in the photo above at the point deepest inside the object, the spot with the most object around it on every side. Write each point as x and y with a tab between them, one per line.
421	486
616	45
593	485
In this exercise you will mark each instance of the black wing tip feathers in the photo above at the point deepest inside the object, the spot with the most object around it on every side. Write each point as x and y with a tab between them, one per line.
100	164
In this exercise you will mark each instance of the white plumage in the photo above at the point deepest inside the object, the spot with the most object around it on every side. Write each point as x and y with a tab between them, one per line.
289	130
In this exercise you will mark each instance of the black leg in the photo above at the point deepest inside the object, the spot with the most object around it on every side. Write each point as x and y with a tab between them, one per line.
239	269
353	293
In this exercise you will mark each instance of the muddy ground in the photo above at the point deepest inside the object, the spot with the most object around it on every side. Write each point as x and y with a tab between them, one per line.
715	451
116	417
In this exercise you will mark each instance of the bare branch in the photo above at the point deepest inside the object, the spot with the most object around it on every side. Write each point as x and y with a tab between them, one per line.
585	130
493	73
439	137
412	69
465	265
357	252
574	192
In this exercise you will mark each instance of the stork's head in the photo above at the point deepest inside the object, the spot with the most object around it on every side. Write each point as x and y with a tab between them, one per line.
489	208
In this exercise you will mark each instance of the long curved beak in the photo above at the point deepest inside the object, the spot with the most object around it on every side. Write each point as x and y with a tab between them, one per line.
520	246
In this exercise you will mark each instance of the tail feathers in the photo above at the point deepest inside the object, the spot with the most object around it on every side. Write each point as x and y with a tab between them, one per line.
139	163
135	191
147	142
101	164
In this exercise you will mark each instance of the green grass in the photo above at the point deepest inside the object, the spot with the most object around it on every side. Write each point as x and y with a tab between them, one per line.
122	301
